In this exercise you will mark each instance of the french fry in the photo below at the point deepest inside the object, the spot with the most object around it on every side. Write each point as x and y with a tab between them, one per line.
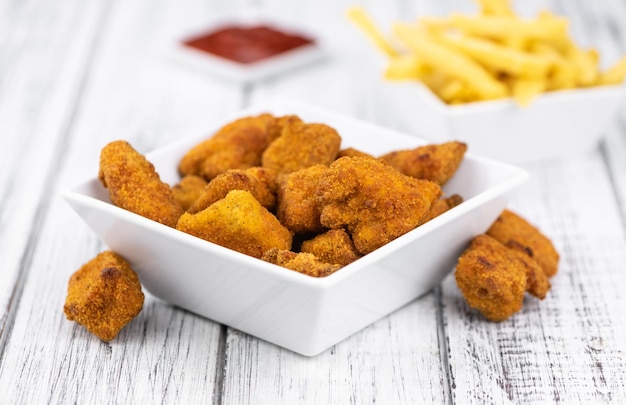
526	90
453	64
495	7
367	25
563	74
498	57
405	67
615	74
506	28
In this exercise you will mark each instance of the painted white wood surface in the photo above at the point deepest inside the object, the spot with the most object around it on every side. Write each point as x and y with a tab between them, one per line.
77	74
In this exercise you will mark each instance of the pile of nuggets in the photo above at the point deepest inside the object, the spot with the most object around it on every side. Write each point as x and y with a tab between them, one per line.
282	190
274	188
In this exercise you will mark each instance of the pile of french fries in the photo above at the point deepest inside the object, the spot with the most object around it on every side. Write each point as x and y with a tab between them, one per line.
491	55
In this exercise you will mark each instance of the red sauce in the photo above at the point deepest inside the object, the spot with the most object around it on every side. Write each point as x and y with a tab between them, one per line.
247	44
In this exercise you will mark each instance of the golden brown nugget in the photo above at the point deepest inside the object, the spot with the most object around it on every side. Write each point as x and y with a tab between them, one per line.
251	180
333	246
134	184
237	145
238	222
304	263
537	283
352	152
297	207
435	162
300	146
374	201
442	205
104	295
188	189
489	280
517	233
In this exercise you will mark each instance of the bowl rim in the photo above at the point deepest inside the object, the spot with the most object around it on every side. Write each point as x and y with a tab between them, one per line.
554	96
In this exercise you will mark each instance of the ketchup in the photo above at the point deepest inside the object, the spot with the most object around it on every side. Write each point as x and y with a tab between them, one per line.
247	44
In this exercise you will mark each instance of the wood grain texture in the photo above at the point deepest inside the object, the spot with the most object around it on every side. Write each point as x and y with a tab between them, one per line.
106	78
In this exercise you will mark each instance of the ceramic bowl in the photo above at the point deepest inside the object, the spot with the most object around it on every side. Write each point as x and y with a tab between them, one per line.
555	125
301	313
248	72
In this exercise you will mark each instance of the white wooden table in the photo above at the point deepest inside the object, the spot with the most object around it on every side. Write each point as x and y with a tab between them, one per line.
76	74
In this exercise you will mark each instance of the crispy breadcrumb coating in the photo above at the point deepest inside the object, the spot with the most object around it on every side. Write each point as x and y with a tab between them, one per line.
239	222
442	205
375	202
134	184
516	233
188	189
304	263
252	180
237	145
302	145
489	280
104	295
298	208
333	246
352	152
435	162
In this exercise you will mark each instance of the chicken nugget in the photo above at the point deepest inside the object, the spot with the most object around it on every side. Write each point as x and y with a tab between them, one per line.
374	201
134	184
517	233
304	263
333	246
489	280
435	162
352	152
104	295
302	145
188	189
252	180
237	145
442	205
239	222
297	208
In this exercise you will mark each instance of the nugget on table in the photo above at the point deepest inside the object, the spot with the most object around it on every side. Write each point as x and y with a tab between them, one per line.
517	233
104	295
373	201
134	184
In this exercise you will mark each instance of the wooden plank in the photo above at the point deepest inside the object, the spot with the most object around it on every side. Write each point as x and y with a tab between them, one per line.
166	354
44	51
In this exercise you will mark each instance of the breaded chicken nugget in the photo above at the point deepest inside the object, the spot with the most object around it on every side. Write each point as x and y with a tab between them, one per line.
442	205
489	280
188	189
134	184
517	233
237	145
435	162
104	295
375	202
297	207
304	263
238	222
302	145
252	180
352	152
333	246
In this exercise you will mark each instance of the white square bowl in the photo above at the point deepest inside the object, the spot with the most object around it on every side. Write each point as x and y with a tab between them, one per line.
555	125
248	72
304	314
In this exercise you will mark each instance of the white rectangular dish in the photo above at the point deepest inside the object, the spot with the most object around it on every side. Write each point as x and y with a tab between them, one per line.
555	125
301	313
247	72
